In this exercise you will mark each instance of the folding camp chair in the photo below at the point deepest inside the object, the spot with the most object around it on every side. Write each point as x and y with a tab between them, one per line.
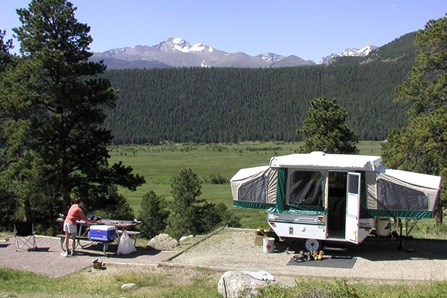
24	235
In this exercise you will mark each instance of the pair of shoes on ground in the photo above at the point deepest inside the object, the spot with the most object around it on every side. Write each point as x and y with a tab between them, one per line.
68	253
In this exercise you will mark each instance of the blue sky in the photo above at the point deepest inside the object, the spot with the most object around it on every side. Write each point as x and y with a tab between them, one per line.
309	29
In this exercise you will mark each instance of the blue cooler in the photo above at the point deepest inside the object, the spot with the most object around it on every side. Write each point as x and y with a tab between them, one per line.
102	233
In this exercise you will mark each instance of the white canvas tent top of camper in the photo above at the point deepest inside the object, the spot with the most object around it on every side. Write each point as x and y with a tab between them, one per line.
405	194
388	193
427	181
255	187
321	160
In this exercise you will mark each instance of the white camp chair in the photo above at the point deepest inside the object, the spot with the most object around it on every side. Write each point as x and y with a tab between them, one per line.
24	235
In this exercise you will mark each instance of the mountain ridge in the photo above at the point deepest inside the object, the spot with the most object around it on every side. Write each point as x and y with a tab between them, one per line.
349	52
177	52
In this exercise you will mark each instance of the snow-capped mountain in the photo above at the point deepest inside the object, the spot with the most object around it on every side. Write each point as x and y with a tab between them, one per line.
176	44
177	52
270	57
351	52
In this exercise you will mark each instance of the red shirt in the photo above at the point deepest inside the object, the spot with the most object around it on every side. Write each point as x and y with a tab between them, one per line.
74	213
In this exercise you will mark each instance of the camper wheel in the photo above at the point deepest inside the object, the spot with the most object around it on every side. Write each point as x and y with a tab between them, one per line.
313	245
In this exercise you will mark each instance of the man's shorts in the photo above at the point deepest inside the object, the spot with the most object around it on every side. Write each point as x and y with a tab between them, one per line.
70	228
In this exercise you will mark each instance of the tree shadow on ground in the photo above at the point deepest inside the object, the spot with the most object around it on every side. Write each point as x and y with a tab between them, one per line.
96	249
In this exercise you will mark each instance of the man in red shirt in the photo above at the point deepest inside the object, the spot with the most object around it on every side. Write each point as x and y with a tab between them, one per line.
74	213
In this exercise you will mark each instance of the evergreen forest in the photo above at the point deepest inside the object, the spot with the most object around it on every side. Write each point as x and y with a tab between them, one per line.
211	105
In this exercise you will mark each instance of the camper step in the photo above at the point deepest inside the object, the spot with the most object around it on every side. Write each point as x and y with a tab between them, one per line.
335	248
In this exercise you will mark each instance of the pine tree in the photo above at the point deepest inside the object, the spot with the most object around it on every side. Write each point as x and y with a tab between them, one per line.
153	215
55	102
183	219
8	202
5	47
421	145
325	128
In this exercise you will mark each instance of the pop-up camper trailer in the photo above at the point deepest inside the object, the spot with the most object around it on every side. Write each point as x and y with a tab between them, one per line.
333	197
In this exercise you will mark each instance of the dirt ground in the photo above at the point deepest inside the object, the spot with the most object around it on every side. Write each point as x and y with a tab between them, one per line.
235	249
375	258
47	258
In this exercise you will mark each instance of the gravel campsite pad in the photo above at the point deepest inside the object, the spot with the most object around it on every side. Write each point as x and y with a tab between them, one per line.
235	249
375	259
47	258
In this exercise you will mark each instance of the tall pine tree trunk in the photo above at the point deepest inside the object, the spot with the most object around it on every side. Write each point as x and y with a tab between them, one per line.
27	213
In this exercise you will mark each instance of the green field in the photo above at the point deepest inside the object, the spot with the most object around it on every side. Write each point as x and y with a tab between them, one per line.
158	164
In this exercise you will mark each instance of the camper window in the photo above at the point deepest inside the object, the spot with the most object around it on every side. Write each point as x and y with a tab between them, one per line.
305	188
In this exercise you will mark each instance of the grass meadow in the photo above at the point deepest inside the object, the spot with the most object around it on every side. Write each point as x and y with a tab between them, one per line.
159	164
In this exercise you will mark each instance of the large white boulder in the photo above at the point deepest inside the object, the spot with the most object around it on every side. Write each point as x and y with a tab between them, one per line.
238	284
162	242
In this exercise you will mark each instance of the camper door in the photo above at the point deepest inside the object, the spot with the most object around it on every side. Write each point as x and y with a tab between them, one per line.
352	207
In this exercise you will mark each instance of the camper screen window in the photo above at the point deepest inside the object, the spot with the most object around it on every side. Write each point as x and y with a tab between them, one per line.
305	188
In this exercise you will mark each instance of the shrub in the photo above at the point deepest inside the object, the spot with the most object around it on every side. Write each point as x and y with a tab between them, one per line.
153	215
217	179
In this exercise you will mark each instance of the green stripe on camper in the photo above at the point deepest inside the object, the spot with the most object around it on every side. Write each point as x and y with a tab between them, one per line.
281	190
400	213
252	205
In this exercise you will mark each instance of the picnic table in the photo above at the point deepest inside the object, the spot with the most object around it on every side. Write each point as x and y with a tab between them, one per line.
82	236
122	225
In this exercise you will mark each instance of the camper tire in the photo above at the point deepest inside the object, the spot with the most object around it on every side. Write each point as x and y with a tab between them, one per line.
313	245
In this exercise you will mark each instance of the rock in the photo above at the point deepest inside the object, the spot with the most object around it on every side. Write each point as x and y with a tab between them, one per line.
162	242
236	284
186	238
129	286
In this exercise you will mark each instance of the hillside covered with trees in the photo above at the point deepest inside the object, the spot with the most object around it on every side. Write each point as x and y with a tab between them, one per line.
204	105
